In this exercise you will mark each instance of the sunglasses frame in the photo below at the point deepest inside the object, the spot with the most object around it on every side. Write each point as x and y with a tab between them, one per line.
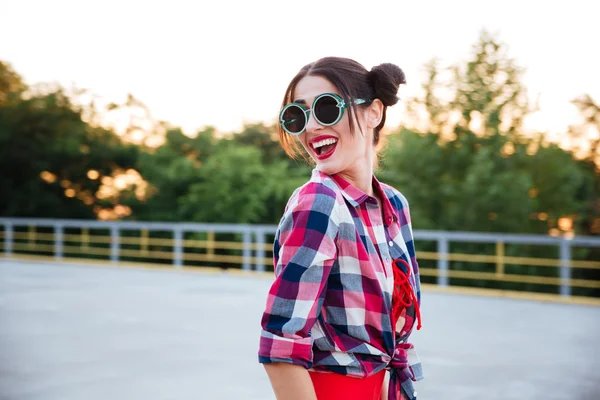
341	104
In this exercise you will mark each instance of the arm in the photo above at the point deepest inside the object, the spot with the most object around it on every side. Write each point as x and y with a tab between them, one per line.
290	382
304	252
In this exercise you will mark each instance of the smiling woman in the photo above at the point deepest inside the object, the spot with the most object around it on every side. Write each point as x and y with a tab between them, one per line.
346	295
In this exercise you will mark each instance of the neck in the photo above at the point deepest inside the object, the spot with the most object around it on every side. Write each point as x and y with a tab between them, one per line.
361	177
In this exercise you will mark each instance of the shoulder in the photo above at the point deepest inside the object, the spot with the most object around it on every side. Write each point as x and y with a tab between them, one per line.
398	200
312	206
320	193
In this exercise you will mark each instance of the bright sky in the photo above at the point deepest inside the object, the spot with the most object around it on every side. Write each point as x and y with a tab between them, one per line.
224	62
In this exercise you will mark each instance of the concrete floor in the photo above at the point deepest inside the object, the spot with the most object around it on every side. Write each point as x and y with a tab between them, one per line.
70	332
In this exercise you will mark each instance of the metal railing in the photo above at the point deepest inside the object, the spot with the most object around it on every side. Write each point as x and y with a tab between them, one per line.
249	247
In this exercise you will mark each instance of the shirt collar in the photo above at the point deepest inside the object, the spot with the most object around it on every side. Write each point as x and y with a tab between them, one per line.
356	197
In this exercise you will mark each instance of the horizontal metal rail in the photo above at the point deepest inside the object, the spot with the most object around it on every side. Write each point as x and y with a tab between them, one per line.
250	247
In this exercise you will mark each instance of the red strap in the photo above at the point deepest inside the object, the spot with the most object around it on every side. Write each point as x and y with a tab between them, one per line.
404	294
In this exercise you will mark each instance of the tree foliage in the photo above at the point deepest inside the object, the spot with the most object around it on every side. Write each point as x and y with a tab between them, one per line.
46	154
464	160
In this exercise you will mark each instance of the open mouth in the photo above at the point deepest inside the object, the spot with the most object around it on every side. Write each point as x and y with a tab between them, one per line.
324	148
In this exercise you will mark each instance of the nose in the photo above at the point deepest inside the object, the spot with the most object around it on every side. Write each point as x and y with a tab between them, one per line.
311	124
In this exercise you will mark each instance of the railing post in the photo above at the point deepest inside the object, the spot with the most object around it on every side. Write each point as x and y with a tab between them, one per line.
565	268
144	242
114	243
210	245
85	238
443	261
8	238
247	251
178	248
58	241
31	235
499	259
260	251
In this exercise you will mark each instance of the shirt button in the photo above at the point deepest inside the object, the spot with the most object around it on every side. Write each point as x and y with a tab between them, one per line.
391	243
415	394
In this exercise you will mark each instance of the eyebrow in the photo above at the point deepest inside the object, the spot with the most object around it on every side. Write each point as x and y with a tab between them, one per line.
300	101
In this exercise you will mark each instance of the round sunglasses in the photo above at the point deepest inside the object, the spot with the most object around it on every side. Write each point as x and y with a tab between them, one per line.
327	109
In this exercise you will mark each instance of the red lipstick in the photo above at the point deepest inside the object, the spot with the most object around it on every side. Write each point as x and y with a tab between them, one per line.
323	156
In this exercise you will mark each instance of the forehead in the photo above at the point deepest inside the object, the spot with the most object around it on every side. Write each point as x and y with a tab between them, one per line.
310	87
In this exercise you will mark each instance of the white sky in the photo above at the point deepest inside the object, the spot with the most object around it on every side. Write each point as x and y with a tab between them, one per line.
225	62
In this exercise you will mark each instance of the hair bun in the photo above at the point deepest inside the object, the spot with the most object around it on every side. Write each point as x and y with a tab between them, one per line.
386	80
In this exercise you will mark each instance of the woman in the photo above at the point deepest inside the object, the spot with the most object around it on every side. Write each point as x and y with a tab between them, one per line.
347	291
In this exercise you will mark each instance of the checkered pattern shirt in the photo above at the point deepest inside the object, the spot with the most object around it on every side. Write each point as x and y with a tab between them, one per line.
329	307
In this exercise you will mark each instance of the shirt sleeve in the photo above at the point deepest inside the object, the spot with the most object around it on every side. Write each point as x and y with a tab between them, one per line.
407	235
304	253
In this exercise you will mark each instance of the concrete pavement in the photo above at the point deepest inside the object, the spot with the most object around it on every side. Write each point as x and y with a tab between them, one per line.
74	332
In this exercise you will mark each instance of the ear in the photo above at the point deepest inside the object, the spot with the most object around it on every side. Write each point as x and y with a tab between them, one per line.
374	114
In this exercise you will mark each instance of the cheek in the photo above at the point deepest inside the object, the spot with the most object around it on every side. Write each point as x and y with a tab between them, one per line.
354	143
351	147
302	140
342	128
357	138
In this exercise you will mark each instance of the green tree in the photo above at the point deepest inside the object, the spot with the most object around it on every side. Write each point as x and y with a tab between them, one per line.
263	137
467	164
232	187
11	84
585	142
197	178
169	171
585	137
46	152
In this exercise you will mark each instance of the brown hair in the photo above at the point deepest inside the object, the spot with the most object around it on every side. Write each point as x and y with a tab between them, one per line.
353	81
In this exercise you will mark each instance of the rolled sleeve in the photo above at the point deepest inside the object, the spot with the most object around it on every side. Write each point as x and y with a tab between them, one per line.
304	254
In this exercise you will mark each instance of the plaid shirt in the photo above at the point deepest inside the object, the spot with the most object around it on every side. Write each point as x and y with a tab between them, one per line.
329	307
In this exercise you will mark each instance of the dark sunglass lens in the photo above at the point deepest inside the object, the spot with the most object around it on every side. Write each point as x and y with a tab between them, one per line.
294	119
327	110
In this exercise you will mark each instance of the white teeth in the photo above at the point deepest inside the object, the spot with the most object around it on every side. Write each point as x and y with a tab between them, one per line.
324	142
